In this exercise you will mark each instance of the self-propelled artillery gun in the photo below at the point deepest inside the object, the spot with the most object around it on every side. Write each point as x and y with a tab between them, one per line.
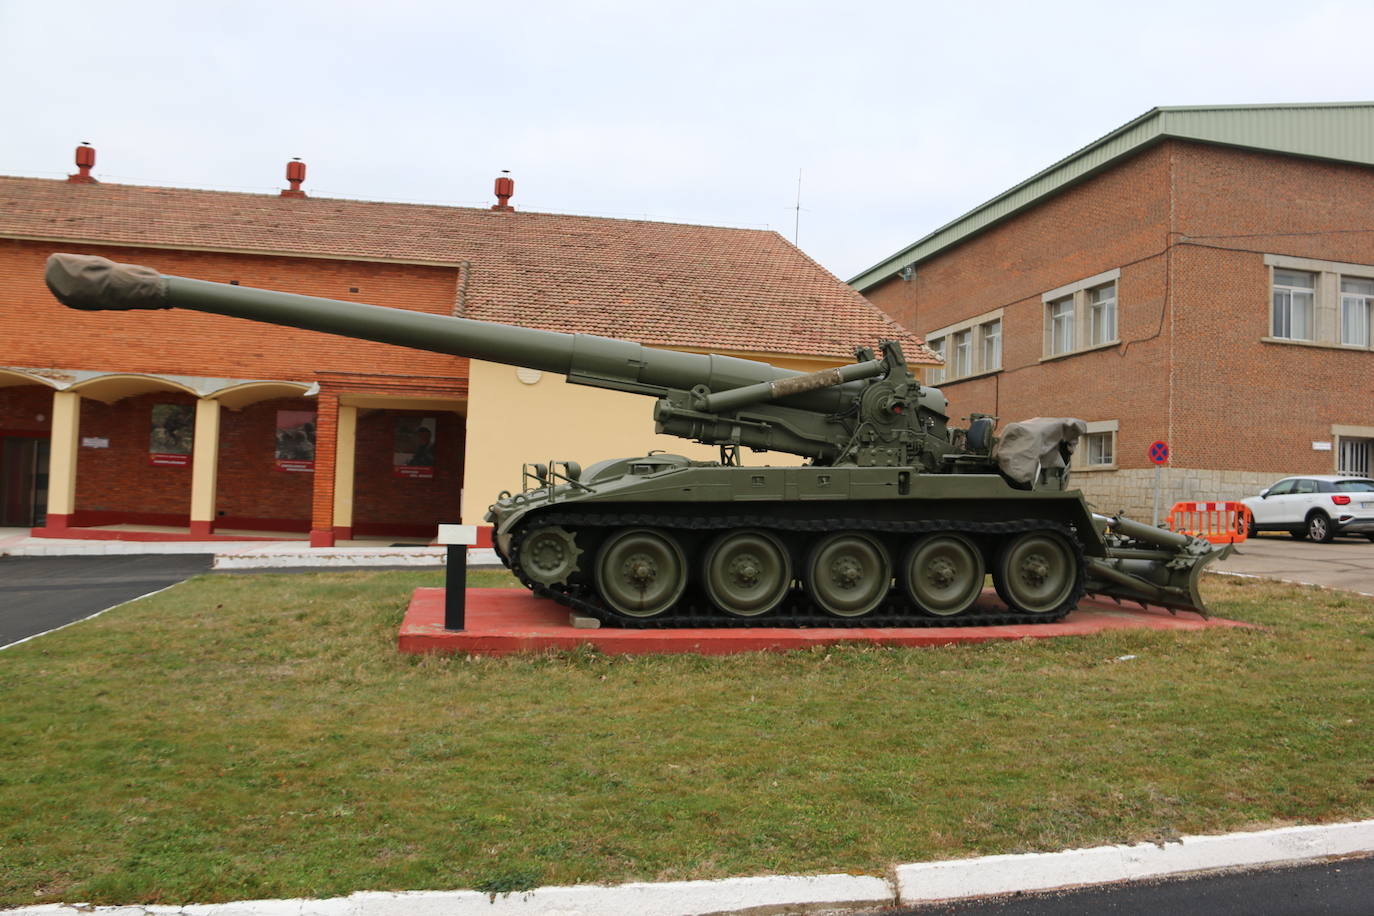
895	518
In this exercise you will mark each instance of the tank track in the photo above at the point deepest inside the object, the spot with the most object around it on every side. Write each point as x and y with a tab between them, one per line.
797	609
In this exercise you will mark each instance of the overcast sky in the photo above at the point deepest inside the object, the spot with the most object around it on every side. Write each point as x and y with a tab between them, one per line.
899	116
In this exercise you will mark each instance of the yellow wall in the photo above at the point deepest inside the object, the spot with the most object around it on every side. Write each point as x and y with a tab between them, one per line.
511	422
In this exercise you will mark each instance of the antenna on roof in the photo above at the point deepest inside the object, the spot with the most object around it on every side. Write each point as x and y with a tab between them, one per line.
796	225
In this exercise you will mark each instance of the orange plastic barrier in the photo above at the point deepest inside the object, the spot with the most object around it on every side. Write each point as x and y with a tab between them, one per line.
1219	523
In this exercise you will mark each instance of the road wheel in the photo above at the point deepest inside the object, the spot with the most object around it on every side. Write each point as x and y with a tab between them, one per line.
943	574
1036	572
747	573
641	572
1319	528
549	555
848	575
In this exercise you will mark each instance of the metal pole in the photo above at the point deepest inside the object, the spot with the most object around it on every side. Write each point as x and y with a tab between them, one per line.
455	587
1159	469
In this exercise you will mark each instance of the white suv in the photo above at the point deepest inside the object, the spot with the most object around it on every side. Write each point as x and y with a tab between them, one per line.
1317	507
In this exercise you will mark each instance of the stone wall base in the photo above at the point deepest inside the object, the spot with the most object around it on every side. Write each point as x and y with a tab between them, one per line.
1132	490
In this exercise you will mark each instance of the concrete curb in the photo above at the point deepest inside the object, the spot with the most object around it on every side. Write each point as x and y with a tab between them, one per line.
936	881
774	893
926	882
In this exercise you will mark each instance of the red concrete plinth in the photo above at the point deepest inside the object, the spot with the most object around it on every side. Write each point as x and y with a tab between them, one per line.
505	620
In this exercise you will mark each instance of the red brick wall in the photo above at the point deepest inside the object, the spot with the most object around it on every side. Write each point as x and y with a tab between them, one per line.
1192	305
1118	219
117	483
22	405
382	498
41	332
1240	402
251	489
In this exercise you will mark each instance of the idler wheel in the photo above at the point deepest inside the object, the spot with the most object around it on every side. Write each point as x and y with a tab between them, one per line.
1036	572
848	575
641	572
943	574
747	573
549	555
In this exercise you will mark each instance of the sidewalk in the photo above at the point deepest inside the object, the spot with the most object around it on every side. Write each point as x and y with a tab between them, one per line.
249	554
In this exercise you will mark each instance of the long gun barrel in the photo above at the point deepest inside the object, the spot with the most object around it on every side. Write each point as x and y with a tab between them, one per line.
89	282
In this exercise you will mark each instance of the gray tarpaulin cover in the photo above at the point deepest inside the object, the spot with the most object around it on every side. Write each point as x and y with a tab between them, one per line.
85	281
1037	443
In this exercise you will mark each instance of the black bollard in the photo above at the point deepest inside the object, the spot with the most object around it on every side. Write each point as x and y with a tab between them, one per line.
457	538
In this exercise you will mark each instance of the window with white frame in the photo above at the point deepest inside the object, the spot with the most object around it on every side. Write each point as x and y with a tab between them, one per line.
1097	449
1320	303
1061	325
961	358
1357	294
1082	315
970	348
990	343
936	375
1102	314
1295	293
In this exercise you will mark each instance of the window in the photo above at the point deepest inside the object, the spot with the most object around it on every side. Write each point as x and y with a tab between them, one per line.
971	347
1321	303
1294	294
1061	325
1356	457
935	376
1356	296
990	334
1099	449
962	358
1081	315
1282	488
1102	314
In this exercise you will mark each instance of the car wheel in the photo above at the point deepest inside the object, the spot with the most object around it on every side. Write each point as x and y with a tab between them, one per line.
1319	528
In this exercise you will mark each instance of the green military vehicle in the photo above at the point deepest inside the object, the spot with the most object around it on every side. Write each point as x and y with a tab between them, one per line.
895	519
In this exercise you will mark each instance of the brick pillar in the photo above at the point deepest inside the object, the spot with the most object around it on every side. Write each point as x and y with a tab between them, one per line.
347	445
66	441
205	467
326	447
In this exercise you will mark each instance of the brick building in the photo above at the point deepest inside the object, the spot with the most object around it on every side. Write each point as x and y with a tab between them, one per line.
1202	276
197	422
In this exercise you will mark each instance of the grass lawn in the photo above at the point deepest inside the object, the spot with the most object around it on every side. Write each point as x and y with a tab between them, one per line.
259	736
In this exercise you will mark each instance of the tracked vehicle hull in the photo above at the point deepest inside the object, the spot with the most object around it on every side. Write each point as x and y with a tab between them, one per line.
682	544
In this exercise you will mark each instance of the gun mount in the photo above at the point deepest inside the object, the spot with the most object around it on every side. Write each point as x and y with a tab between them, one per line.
891	492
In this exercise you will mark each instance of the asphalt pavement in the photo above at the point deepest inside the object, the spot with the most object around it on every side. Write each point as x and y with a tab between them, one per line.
38	594
1345	563
1344	887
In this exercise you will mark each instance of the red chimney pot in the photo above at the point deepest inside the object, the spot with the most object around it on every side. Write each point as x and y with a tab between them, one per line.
505	189
85	161
295	174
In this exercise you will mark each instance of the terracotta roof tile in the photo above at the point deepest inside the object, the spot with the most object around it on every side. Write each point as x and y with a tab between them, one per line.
657	283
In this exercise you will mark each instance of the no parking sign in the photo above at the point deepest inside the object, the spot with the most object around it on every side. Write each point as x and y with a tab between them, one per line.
1159	452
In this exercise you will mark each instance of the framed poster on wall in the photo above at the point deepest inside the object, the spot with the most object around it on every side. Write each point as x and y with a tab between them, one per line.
413	453
172	435
296	440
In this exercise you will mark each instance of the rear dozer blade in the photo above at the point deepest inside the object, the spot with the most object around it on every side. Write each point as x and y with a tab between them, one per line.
1153	566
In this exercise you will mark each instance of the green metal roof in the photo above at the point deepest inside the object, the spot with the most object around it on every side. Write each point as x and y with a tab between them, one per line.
1342	131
